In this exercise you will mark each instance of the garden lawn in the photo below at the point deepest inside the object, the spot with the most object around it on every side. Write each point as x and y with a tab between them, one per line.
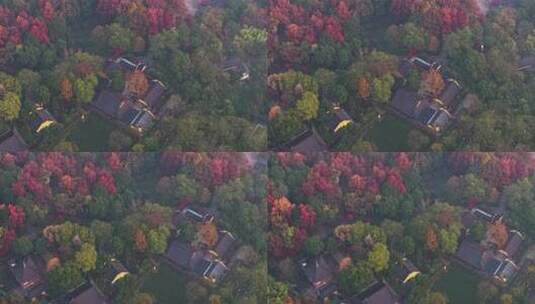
167	285
390	134
92	134
458	284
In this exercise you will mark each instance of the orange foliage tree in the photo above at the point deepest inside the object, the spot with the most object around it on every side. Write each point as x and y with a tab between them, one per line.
431	239
137	83
363	87
140	240
207	235
497	234
432	83
66	89
281	210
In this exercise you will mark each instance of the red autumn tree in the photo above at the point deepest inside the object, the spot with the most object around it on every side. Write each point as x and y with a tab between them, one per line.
290	159
14	24
15	220
307	216
403	162
16	216
67	183
439	17
47	9
114	161
395	181
358	183
342	9
106	180
148	16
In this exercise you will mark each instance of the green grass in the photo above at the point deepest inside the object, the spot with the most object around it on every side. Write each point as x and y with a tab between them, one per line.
6	280
167	285
4	127
390	134
459	285
92	134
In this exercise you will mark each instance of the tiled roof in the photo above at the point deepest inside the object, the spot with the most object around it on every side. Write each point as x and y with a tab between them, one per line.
12	141
90	296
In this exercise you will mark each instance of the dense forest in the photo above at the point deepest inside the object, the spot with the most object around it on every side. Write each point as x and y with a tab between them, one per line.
364	75
209	55
80	214
370	213
353	54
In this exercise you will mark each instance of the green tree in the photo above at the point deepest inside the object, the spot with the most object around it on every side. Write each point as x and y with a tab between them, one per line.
408	36
486	291
355	278
157	239
29	53
42	94
378	257
284	127
119	37
408	245
382	88
247	222
418	141
84	89
251	40
520	198
9	106
478	231
9	83
127	290
117	80
103	232
308	106
435	298
506	299
119	141
196	293
63	278
448	241
22	246
469	186
186	187
86	257
413	37
144	298
393	231
29	80
314	246
530	43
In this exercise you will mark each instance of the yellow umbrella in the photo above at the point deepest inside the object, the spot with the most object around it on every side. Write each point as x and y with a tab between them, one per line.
343	124
119	276
411	276
45	125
